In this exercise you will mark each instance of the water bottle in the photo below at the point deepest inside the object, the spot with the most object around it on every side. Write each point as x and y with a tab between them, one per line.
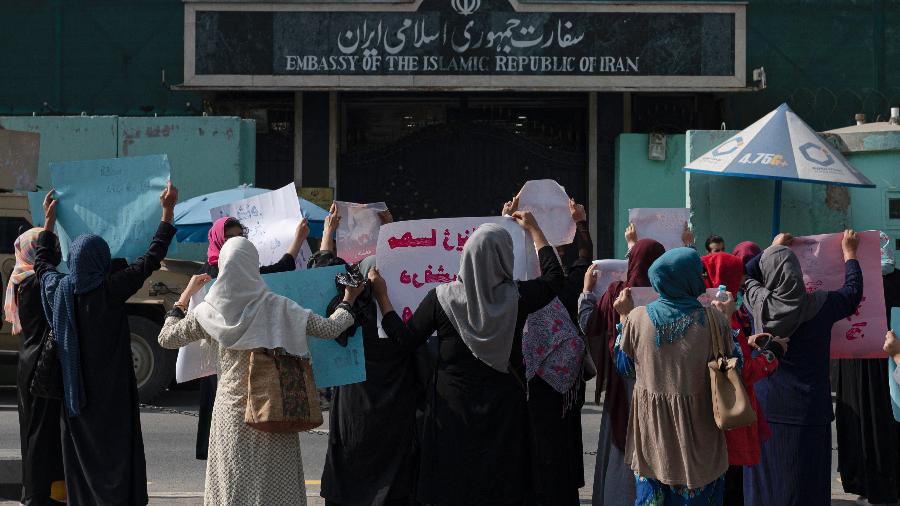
721	294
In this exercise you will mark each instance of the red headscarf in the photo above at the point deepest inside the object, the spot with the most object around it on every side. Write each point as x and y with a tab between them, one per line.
745	251
601	333
724	269
216	240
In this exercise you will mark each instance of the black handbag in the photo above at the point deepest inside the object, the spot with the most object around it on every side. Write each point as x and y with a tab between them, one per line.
47	378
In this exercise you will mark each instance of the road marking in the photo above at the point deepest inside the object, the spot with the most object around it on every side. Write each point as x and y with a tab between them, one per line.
313	482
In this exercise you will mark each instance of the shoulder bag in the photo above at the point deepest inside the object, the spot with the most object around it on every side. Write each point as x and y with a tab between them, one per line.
730	402
281	393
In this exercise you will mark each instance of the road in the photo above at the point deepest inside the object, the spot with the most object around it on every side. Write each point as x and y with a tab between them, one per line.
176	478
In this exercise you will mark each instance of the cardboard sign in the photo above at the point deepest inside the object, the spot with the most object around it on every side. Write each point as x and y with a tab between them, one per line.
861	335
664	225
357	236
117	199
19	159
549	203
416	256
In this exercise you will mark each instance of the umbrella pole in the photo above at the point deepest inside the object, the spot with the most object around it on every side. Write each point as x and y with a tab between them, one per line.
776	210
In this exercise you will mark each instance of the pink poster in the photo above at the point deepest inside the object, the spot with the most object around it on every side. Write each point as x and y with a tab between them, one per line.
862	334
357	235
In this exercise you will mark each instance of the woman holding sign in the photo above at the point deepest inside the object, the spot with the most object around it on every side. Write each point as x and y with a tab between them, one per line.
103	449
475	448
796	462
239	314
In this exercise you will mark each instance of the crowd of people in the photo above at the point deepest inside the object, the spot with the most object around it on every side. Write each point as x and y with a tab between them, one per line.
456	408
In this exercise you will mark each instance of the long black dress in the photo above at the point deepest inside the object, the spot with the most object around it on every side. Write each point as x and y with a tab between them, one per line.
208	384
42	462
868	436
372	457
476	433
557	447
103	449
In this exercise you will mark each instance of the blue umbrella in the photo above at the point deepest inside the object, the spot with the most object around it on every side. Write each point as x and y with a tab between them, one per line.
193	221
781	147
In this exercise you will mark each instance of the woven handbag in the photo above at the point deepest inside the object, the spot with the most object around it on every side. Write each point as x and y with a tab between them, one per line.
281	393
730	402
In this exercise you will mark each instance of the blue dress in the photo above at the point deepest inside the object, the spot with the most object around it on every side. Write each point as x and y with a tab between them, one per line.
795	467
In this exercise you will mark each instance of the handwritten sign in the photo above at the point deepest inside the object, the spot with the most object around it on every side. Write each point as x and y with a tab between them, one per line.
198	359
117	199
271	220
664	225
357	235
607	272
19	159
416	256
549	204
861	335
333	364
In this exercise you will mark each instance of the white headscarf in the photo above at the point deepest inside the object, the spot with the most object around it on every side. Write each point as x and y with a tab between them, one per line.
483	303
241	313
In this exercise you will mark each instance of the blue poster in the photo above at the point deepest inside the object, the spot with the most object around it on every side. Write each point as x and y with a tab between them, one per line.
333	364
116	198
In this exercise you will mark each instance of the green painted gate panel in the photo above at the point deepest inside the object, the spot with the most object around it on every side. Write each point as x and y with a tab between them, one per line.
66	138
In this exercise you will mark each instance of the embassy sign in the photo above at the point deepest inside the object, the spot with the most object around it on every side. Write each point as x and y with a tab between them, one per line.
465	44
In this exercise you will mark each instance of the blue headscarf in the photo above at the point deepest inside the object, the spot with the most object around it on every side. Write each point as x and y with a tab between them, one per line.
88	262
677	276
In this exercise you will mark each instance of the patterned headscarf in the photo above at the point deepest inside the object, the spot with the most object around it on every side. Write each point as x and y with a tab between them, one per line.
25	249
887	254
89	261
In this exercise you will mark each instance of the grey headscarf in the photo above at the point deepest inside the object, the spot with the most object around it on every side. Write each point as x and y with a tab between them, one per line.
780	304
483	302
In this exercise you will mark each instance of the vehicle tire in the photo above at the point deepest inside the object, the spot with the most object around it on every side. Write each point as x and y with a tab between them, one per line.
154	367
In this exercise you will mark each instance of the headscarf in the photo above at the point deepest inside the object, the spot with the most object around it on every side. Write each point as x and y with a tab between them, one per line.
601	333
216	238
553	349
780	304
746	251
241	313
887	254
483	303
677	277
89	261
728	270
25	249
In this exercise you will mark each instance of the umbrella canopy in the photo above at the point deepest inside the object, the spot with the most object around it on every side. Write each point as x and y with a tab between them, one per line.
193	221
783	147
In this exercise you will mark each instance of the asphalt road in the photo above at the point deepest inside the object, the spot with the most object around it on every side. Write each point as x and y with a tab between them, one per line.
176	478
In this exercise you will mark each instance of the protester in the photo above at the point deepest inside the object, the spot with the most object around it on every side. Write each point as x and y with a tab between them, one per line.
613	479
795	467
746	251
674	447
868	436
715	244
103	450
743	443
239	314
39	424
221	231
372	457
475	448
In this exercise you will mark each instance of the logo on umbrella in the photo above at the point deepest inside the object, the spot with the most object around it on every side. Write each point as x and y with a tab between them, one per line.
729	147
816	154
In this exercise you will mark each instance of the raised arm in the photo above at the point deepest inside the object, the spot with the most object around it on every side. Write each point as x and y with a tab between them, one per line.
339	321
332	222
848	297
124	283
537	293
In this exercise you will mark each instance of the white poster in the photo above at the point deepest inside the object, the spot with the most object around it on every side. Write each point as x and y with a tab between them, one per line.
607	272
549	203
357	235
198	359
664	225
271	220
416	256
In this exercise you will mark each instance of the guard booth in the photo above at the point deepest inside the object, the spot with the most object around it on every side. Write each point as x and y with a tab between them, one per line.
445	107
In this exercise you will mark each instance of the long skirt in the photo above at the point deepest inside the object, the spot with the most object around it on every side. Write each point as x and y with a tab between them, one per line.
651	492
795	468
613	478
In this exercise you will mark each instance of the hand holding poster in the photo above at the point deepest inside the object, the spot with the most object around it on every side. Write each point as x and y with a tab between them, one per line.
416	256
198	359
357	235
664	225
271	220
861	335
19	159
549	204
607	272
117	199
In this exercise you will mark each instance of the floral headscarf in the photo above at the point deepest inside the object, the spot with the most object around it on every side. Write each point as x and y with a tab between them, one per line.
25	250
